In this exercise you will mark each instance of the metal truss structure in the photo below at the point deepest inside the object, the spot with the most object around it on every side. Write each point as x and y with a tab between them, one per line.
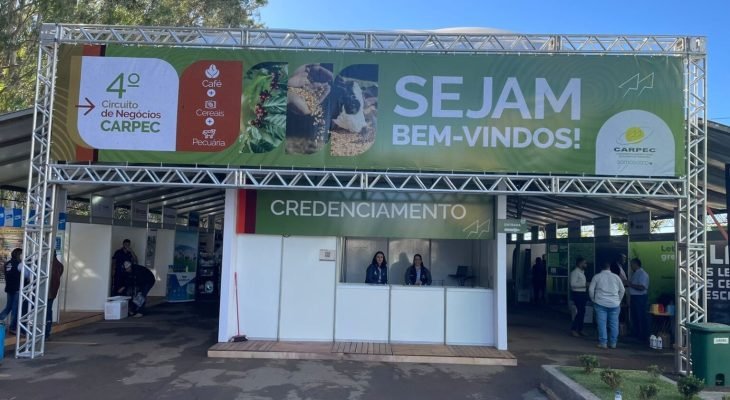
691	215
231	178
39	216
688	191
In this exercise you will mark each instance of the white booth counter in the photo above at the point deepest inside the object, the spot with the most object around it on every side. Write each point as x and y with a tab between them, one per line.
414	314
470	316
362	312
417	314
288	291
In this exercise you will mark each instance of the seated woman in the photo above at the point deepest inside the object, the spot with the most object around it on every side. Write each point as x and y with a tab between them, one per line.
417	274
377	272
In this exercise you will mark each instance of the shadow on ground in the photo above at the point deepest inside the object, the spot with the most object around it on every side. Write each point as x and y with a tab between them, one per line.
163	356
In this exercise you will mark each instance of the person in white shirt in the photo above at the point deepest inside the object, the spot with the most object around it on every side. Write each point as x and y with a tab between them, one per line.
606	291
638	287
579	295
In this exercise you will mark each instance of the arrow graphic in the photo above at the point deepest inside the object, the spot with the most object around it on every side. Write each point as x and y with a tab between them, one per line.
88	105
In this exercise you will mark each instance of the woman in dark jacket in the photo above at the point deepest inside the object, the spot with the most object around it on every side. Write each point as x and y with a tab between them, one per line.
377	272
417	274
11	269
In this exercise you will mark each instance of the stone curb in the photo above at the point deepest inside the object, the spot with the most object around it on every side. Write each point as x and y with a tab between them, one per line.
557	386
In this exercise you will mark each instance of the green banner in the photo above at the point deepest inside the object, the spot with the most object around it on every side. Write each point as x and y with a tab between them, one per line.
558	267
605	115
659	261
365	214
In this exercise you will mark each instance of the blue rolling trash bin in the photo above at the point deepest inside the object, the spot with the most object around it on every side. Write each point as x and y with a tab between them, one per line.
2	341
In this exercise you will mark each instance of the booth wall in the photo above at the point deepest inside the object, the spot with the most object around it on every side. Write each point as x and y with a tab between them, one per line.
307	290
164	252
498	258
422	324
362	312
88	271
469	316
229	258
259	276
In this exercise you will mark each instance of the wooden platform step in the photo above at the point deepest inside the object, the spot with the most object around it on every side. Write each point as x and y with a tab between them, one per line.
364	351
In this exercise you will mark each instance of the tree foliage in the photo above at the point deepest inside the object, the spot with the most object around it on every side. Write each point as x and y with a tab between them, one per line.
20	23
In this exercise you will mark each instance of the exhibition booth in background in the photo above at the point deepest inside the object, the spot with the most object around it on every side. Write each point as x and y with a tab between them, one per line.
657	253
176	255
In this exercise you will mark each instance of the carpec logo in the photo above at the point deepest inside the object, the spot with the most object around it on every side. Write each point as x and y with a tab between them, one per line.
635	142
633	135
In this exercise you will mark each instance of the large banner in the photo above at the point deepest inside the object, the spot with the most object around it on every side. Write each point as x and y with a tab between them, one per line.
718	282
605	115
365	214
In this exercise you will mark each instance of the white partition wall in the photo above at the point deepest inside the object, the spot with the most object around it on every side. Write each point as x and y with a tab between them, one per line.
498	256
88	271
362	312
227	314
469	316
259	275
417	314
164	254
307	290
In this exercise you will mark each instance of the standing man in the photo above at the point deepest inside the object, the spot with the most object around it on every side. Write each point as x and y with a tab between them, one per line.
638	287
579	295
120	256
56	272
606	291
12	288
539	280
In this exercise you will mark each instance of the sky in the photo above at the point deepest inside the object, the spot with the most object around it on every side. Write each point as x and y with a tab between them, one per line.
709	18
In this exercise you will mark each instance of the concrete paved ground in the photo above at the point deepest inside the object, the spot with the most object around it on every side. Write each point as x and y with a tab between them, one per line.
162	356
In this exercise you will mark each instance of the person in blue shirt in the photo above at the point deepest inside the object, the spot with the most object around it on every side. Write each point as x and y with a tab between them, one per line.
638	300
377	272
417	274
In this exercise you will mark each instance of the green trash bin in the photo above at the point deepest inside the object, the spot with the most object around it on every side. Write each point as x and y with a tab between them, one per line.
710	352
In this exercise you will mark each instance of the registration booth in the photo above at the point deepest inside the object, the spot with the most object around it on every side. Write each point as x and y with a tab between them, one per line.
300	265
407	143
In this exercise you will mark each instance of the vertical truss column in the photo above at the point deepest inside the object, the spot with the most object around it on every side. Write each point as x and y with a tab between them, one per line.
38	239
692	212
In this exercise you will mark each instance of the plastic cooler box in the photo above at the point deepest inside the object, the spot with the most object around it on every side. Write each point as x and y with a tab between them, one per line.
116	307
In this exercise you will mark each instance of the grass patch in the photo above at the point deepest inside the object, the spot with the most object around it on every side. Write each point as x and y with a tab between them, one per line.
632	379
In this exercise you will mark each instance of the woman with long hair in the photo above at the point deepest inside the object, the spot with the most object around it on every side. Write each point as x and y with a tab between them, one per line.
377	272
417	274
